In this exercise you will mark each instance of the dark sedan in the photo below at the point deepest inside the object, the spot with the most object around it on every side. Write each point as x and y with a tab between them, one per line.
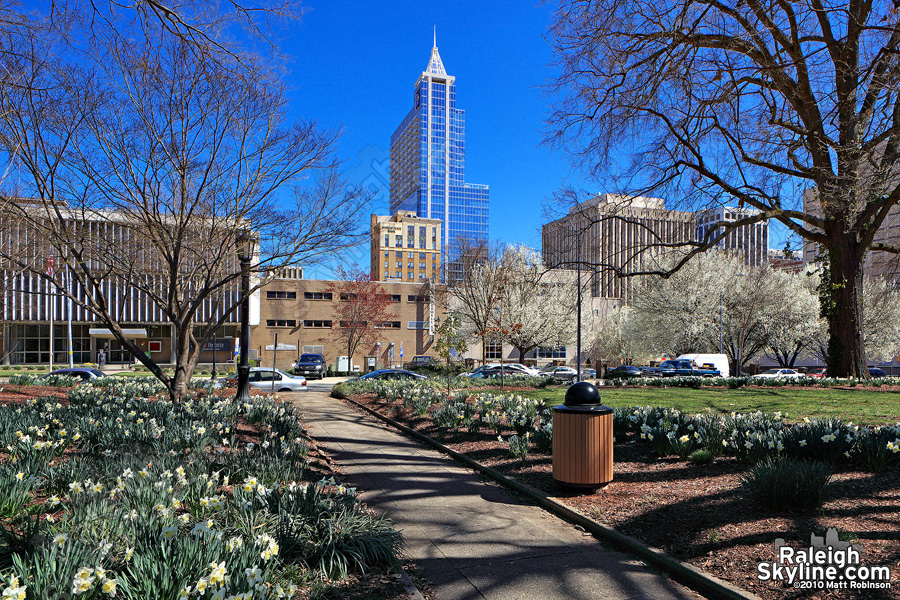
393	374
624	372
876	372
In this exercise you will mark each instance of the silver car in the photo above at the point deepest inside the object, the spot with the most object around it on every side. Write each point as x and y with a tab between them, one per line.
276	380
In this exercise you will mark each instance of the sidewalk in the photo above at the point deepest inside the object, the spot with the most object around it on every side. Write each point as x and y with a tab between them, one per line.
470	538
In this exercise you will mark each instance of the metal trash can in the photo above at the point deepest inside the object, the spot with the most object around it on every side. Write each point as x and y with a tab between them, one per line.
583	439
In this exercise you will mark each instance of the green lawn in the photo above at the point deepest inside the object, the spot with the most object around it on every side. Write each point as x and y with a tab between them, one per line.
867	407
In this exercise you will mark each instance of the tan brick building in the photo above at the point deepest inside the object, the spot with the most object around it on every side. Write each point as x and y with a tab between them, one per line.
617	232
406	248
303	314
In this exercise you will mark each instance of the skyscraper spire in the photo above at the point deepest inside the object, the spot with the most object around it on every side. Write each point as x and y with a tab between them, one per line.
435	66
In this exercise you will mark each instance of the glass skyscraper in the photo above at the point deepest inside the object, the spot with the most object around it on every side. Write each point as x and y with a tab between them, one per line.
428	163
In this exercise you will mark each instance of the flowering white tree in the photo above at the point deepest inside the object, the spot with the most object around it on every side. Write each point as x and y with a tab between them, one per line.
538	306
713	300
680	314
618	340
796	323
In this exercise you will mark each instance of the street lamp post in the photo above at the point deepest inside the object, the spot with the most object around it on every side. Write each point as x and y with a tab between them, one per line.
720	322
244	248
578	308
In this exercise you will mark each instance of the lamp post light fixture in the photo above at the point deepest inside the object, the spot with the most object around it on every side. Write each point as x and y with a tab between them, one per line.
245	247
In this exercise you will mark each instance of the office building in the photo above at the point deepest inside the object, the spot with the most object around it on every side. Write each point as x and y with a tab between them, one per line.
427	172
618	234
405	247
304	313
29	304
749	242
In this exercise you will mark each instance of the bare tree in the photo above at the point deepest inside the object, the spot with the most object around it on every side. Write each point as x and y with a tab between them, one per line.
362	311
476	290
149	169
749	102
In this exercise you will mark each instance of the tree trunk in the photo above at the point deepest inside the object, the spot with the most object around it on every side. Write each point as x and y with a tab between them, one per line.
178	385
846	351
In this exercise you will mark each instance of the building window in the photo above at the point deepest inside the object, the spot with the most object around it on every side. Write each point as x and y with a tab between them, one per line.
281	323
387	325
421	265
395	297
345	297
399	239
422	256
399	265
409	275
413	298
417	324
387	240
348	324
279	295
317	295
387	254
493	351
315	324
398	254
558	352
410	255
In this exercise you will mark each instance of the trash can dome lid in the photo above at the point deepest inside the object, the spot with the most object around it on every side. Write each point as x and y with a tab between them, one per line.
582	394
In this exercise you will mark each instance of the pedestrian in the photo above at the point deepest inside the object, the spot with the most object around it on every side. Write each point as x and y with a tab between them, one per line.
101	358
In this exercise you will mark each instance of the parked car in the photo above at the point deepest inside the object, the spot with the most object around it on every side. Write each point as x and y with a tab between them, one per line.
816	372
589	373
779	373
623	372
311	366
423	361
83	373
494	372
681	368
526	371
561	373
876	372
275	380
393	374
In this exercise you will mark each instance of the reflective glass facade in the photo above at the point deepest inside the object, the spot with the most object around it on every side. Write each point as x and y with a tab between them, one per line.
428	162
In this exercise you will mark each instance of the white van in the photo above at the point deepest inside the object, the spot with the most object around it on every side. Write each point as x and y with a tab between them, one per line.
719	361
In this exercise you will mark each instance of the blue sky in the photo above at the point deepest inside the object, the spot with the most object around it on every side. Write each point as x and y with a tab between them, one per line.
354	65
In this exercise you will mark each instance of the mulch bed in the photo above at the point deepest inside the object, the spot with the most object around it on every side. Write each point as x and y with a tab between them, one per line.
698	514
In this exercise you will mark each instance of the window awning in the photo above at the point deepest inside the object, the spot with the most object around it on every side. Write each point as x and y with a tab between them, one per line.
106	334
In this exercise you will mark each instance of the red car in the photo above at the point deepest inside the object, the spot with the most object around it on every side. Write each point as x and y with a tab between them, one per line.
816	371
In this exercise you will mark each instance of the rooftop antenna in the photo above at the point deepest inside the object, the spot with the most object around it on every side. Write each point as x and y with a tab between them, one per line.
434	44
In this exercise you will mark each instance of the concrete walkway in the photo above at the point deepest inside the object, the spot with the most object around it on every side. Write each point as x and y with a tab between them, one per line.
470	538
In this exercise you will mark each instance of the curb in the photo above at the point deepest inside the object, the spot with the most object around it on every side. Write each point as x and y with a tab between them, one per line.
691	576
